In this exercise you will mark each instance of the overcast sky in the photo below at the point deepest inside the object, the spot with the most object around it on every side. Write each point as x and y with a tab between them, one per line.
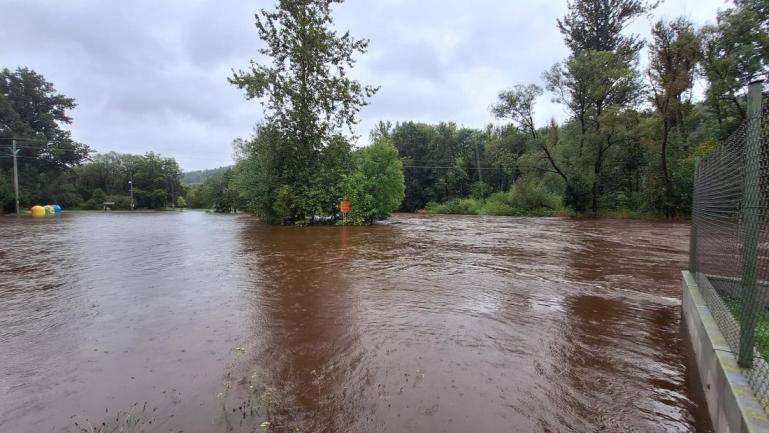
151	75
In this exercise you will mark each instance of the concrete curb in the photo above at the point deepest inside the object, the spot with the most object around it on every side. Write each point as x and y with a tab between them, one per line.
732	406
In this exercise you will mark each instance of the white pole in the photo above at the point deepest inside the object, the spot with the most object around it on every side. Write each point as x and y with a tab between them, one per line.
15	174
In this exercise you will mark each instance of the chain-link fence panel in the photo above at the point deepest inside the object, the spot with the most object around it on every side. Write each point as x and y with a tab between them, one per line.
730	240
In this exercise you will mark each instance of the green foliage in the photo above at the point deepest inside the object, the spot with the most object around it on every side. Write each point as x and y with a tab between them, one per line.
441	163
497	204
480	190
459	206
197	177
577	195
528	194
497	208
154	199
217	192
598	24
97	199
376	186
735	51
293	167
673	59
155	179
32	112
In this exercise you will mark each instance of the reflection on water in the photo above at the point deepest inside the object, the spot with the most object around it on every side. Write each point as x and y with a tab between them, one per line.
423	323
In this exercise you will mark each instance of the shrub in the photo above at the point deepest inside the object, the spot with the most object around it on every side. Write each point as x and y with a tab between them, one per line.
497	208
530	195
457	206
480	190
501	197
376	186
470	206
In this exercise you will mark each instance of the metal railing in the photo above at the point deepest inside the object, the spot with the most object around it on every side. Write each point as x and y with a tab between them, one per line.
729	254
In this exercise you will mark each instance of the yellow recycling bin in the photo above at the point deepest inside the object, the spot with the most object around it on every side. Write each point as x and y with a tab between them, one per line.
38	211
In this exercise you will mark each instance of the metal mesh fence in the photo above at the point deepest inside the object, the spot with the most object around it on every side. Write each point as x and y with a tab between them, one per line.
730	240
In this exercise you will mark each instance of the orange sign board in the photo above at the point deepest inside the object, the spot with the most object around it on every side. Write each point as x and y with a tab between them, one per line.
344	206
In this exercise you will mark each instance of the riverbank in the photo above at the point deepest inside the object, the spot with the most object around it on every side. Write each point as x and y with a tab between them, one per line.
495	207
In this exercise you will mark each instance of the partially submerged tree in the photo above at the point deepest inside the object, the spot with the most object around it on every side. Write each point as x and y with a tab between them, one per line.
309	101
376	185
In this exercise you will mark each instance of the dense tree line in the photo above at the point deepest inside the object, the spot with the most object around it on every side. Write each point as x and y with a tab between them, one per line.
32	112
632	135
199	176
53	168
628	145
155	182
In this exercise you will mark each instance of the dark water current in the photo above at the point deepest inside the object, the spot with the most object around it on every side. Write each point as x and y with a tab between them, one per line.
197	322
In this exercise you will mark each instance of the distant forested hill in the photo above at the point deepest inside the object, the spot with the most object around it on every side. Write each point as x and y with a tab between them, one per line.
200	176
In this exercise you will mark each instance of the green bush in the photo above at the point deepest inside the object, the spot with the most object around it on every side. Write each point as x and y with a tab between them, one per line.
470	206
501	197
480	190
496	208
376	186
457	206
533	195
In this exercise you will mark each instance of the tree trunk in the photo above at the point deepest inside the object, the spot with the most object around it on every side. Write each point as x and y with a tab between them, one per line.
668	207
596	175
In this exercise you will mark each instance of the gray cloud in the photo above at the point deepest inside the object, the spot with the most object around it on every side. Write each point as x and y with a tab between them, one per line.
151	75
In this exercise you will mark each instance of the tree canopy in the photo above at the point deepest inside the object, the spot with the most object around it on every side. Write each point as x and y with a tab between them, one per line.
293	168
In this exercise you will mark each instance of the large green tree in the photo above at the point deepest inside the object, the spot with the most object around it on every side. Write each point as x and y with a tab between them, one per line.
33	112
735	51
673	56
599	80
310	102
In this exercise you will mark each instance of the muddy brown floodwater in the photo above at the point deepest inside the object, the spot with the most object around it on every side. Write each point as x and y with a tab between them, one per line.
204	323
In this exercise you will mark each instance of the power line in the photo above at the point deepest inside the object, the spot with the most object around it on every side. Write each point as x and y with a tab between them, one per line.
475	168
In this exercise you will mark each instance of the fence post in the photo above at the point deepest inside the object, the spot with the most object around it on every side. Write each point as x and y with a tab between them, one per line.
693	226
750	214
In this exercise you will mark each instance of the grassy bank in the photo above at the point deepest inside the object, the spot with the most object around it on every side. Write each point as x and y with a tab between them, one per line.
471	206
527	199
523	199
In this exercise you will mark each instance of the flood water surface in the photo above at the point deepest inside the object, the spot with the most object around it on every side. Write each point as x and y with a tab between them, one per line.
196	322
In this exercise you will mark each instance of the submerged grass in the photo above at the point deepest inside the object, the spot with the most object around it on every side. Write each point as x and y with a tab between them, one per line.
137	419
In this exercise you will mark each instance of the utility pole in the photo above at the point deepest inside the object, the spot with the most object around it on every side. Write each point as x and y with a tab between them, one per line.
131	191
15	174
478	162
